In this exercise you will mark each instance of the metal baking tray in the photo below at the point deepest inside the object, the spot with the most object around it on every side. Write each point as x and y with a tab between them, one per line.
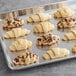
9	56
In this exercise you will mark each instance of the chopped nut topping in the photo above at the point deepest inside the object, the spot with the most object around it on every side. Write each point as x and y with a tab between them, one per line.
66	23
12	23
47	40
26	59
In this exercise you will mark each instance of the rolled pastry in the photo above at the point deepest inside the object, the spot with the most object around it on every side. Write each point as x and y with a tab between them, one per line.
66	23
64	13
74	49
39	17
26	59
20	45
43	27
16	33
47	40
56	53
69	36
9	24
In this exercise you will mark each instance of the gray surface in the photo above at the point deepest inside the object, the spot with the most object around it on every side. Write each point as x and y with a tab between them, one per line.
65	68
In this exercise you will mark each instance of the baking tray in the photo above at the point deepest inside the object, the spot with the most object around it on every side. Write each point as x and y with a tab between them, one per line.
9	56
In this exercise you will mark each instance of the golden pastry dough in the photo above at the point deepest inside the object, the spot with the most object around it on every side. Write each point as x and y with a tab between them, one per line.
56	53
64	13
26	59
39	17
12	23
74	49
69	36
16	33
43	27
20	44
47	40
66	23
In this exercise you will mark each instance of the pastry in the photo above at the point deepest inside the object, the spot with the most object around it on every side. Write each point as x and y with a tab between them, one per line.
26	59
16	33
47	40
20	44
66	23
74	49
64	13
56	53
69	36
39	17
43	27
12	23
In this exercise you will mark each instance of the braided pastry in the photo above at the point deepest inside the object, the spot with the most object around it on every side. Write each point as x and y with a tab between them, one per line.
69	36
16	33
20	44
55	53
66	23
26	59
12	23
43	27
39	17
64	13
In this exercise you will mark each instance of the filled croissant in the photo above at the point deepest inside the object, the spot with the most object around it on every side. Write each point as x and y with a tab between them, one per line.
66	23
69	36
39	17
64	13
26	59
43	27
47	40
20	45
16	33
56	53
9	24
74	49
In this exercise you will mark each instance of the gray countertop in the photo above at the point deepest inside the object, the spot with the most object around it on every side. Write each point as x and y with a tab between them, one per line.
64	68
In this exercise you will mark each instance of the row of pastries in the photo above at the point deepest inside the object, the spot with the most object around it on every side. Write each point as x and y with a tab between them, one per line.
14	30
